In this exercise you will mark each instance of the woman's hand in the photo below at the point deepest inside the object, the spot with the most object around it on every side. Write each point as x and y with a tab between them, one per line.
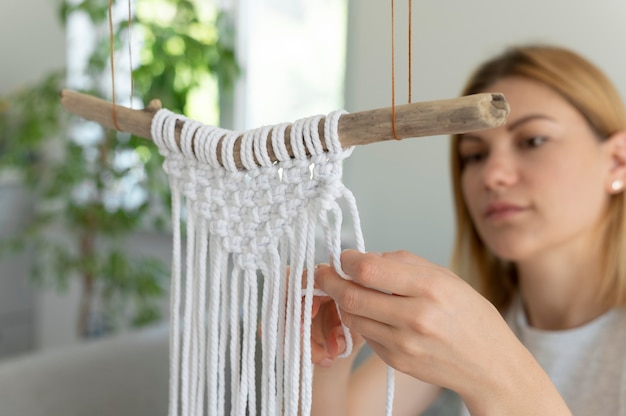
327	334
425	321
418	317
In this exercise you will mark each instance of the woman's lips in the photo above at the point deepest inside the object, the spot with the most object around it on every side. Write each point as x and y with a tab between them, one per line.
502	210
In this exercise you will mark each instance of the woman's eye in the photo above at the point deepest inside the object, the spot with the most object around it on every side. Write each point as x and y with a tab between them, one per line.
469	158
534	141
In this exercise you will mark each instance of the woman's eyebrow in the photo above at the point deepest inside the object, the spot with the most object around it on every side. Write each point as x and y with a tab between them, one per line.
526	119
469	137
510	127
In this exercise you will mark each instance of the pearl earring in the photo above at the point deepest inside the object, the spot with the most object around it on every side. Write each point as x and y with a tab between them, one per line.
617	185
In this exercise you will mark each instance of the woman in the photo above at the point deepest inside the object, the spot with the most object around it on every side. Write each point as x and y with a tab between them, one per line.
541	236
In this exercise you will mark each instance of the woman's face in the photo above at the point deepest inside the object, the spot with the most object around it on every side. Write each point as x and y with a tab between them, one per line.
539	183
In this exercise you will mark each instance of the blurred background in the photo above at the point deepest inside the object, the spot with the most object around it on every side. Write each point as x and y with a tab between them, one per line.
84	226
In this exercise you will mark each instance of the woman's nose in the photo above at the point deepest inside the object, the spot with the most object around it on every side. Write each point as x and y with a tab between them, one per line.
499	171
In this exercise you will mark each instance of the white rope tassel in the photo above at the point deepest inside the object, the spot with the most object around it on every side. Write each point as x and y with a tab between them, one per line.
250	240
162	139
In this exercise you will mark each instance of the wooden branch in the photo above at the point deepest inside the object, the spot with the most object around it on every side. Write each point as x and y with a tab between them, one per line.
429	118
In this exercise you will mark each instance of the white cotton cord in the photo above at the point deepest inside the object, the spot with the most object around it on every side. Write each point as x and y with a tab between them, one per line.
187	134
163	131
214	138
221	275
169	131
333	143
313	146
250	340
391	383
278	142
334	146
246	150
307	364
332	173
175	303
214	323
186	375
228	154
312	135
281	295
333	243
266	339
356	220
190	351
261	182
244	380
336	155
161	139
235	344
329	172
332	230
292	332
201	328
271	299
260	146
201	138
194	329
319	292
295	138
156	130
255	219
331	135
213	347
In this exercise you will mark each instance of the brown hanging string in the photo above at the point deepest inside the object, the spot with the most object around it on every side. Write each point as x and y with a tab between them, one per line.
130	52
112	58
393	63
410	47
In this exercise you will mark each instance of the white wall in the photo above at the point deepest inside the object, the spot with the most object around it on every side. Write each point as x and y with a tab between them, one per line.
32	42
403	189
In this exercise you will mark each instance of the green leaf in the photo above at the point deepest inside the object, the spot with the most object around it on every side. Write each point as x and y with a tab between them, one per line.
75	232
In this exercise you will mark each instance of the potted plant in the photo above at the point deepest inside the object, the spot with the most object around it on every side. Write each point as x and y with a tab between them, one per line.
95	188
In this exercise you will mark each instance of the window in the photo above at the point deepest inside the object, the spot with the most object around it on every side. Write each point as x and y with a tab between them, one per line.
292	54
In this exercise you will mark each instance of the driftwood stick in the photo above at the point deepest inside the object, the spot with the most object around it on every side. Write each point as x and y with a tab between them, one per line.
428	118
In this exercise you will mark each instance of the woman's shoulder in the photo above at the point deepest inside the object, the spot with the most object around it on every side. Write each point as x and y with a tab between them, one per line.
615	330
605	334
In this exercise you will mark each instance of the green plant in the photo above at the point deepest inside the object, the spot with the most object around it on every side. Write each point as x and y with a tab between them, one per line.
95	188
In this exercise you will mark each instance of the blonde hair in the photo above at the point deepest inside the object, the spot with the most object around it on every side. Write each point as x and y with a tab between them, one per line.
594	96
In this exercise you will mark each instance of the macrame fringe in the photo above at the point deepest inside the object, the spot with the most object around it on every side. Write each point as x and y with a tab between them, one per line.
250	238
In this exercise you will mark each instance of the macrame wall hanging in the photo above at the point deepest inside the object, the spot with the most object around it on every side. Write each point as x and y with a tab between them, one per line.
252	203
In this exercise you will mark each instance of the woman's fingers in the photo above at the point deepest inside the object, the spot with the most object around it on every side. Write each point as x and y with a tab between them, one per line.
336	341
365	311
327	337
400	273
324	353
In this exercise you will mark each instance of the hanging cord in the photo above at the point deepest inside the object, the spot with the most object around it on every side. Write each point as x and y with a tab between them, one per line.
129	25
410	42
390	371
393	71
112	59
393	63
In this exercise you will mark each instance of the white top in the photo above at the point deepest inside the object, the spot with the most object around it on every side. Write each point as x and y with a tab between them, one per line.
586	364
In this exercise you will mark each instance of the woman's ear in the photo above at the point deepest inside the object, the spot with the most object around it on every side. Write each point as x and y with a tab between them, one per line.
617	149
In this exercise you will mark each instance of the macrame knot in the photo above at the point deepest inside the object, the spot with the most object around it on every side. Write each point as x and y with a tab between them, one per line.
245	228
